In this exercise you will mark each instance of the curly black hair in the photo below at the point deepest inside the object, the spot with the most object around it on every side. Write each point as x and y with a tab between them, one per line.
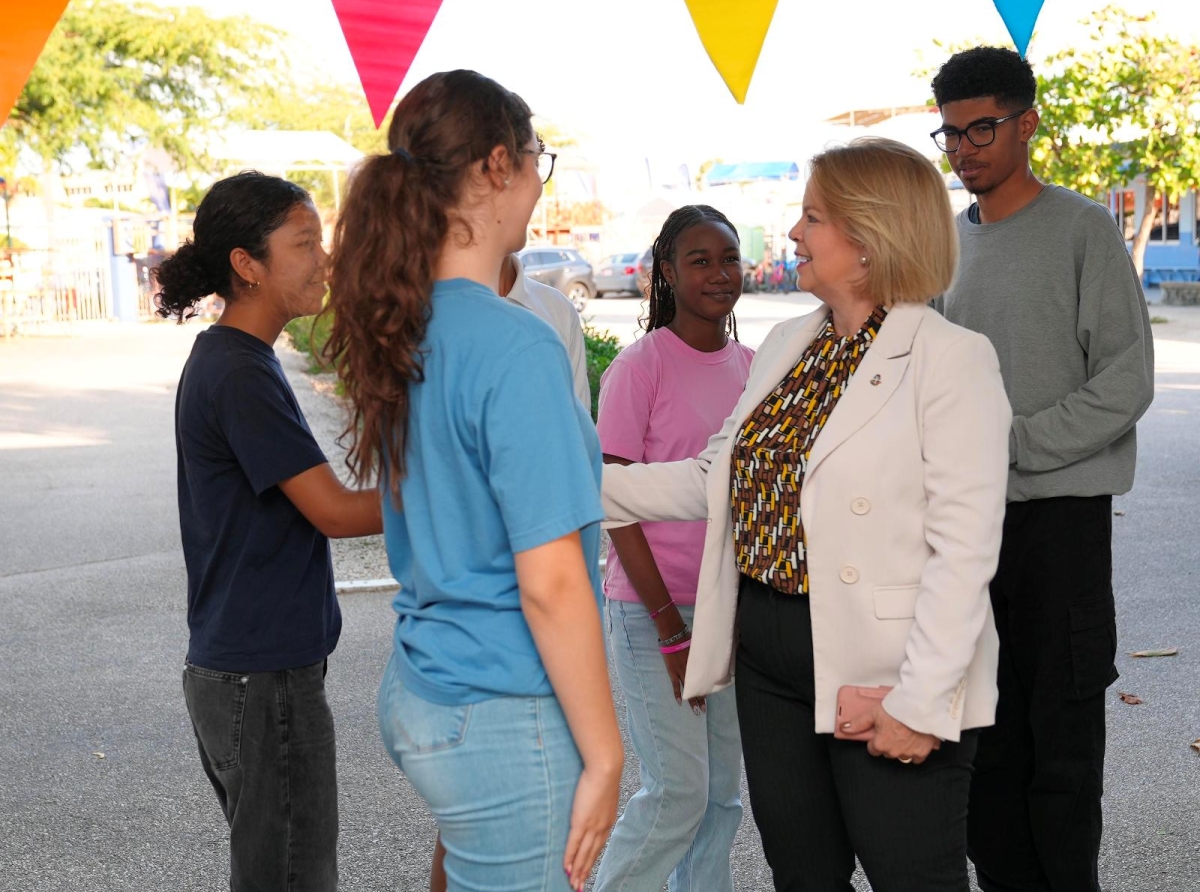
986	71
240	211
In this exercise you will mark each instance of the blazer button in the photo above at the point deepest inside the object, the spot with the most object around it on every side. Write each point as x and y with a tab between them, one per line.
860	506
849	575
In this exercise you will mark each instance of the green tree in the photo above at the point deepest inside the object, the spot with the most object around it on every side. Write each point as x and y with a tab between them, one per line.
1125	106
117	76
297	102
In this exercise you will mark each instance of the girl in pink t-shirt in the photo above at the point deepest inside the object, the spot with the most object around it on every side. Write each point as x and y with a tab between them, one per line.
660	400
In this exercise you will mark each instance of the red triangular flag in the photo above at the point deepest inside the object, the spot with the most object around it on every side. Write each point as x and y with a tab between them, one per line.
384	36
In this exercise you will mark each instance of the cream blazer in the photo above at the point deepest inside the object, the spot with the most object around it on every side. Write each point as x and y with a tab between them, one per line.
902	506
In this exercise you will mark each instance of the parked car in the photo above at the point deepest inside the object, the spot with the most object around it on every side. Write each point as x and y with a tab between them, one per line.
561	268
619	273
644	265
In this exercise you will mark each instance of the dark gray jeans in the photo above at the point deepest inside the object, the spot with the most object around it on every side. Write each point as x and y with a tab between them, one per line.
266	743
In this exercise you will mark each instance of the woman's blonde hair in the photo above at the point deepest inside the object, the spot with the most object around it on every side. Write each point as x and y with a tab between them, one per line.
891	200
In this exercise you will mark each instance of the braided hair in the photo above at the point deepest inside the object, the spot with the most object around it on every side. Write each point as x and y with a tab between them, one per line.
661	308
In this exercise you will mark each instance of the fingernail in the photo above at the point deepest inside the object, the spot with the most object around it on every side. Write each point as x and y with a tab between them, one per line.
696	710
845	726
679	701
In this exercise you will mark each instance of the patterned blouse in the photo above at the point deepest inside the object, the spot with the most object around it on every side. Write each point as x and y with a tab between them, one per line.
771	456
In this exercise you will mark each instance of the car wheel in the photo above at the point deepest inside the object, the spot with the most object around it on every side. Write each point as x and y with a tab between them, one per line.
579	294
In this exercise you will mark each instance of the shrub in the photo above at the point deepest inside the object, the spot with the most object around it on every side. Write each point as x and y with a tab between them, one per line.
309	334
602	349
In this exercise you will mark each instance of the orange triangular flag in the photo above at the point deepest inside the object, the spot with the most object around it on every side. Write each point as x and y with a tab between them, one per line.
26	27
733	35
383	37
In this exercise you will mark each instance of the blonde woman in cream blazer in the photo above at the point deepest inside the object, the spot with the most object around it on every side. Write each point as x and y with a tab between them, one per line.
901	504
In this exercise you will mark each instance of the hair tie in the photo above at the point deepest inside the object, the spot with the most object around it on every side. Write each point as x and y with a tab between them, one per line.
403	153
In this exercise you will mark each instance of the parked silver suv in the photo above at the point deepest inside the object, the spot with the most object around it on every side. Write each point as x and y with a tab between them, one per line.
561	268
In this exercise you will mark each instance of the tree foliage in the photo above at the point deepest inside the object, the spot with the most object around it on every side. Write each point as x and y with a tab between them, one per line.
116	76
1125	106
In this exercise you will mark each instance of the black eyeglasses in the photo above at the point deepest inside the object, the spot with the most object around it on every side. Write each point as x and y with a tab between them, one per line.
979	133
545	163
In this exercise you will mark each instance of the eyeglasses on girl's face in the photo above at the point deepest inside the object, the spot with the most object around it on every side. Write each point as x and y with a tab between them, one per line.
545	162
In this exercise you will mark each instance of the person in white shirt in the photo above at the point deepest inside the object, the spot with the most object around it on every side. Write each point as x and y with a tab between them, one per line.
552	306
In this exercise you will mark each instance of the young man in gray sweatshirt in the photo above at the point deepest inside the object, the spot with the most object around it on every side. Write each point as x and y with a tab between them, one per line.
1045	274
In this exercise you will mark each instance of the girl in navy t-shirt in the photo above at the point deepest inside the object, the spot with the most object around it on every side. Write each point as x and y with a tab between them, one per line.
258	502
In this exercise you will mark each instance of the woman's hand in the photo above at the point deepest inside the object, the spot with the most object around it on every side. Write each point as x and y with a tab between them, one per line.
592	815
893	739
676	669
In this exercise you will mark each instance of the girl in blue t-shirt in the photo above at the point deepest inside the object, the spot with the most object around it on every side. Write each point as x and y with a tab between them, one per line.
257	504
496	702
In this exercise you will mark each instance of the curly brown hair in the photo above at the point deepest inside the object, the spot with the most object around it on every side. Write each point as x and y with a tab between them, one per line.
398	213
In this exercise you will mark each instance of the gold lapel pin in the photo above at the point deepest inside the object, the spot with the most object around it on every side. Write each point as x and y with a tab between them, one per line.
875	381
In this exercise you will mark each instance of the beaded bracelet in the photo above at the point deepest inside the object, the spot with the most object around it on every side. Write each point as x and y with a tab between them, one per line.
676	638
670	603
675	648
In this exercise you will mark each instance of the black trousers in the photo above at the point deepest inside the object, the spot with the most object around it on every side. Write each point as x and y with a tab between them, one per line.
818	801
1035	818
266	742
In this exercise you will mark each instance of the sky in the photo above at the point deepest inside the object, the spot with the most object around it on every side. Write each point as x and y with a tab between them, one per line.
630	79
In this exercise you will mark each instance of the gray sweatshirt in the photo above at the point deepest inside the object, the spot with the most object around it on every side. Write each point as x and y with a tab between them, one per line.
1054	289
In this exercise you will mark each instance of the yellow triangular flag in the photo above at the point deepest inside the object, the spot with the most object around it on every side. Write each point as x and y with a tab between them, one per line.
733	35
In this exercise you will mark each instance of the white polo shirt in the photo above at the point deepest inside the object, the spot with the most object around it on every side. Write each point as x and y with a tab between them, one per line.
552	305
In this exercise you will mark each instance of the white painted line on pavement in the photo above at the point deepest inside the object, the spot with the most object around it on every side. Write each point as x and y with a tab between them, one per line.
365	585
378	585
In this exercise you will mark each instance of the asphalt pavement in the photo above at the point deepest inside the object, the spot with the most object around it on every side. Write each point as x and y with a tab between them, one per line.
101	788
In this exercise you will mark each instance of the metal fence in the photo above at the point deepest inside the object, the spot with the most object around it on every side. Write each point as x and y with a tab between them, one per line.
67	283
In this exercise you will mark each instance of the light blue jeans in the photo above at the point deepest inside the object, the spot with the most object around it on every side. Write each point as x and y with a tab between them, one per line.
681	824
499	777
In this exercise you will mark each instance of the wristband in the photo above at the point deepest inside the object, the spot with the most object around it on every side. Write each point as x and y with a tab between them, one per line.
670	603
675	648
676	638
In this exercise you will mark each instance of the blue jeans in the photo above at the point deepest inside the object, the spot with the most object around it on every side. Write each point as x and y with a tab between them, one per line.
266	743
680	825
499	777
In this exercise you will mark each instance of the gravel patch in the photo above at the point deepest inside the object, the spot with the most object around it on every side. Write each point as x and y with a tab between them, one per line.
327	413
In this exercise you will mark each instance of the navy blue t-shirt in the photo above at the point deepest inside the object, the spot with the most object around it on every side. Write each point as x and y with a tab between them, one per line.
260	576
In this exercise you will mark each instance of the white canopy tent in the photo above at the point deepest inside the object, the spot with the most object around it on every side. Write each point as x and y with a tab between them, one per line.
280	151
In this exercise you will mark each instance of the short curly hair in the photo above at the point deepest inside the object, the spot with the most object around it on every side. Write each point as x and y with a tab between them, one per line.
986	71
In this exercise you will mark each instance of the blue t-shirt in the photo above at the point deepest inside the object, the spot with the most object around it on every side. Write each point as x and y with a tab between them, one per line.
260	576
501	457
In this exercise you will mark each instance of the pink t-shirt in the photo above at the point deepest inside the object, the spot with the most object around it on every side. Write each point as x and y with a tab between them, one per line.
660	400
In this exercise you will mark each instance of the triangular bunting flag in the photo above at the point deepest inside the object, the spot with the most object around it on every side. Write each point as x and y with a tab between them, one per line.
26	27
733	35
1019	18
384	36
